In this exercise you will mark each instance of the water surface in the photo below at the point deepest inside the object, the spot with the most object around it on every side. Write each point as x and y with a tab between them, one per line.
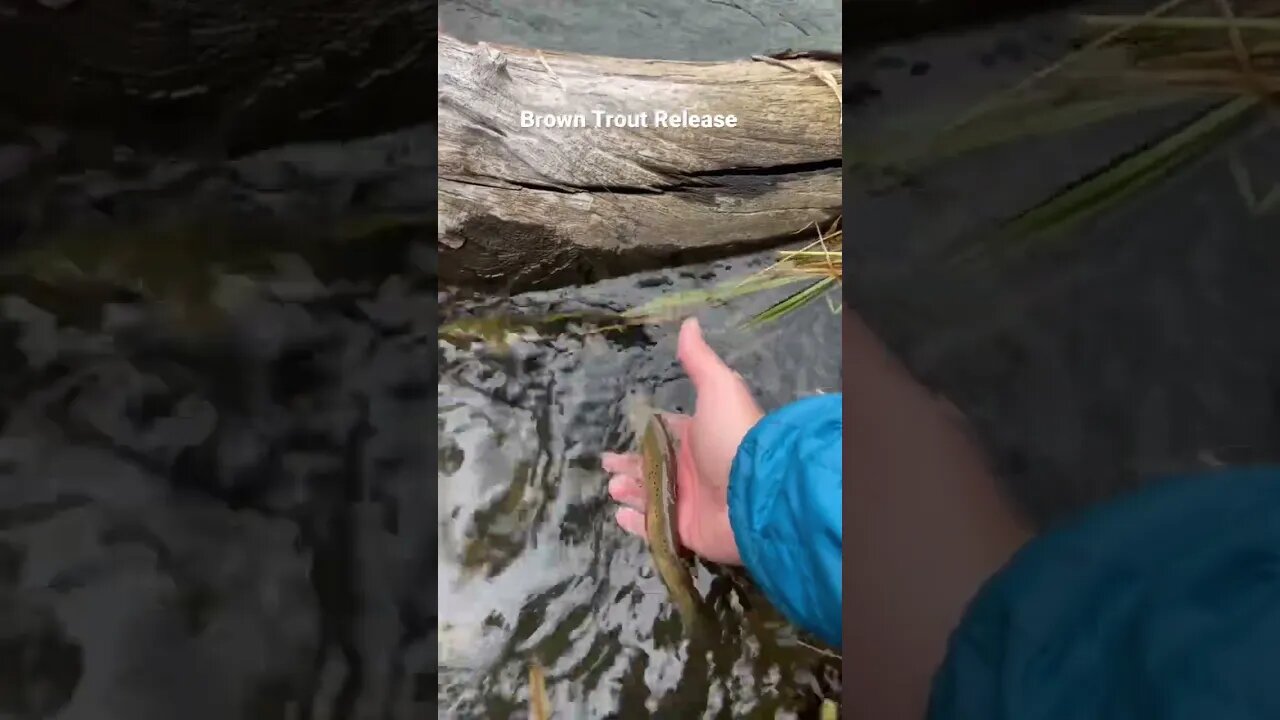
532	565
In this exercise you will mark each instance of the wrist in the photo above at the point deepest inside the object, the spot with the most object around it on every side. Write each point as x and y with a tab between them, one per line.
728	543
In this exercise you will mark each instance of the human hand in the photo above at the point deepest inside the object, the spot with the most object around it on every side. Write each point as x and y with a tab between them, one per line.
724	412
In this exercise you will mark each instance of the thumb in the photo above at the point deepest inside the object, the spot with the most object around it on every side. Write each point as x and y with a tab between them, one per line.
700	362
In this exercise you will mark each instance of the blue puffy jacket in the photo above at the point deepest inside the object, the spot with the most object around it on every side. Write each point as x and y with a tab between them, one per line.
786	512
1165	604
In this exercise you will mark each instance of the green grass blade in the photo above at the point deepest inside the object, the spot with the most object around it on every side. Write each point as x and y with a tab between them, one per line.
1120	181
791	303
1134	173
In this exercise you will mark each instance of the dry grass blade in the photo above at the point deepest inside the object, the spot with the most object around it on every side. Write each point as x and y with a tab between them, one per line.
539	703
1116	32
1143	22
1263	50
1211	82
824	76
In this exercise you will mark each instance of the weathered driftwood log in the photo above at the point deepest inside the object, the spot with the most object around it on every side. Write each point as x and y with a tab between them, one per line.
527	207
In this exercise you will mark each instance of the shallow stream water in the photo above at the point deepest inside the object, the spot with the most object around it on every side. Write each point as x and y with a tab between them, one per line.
532	566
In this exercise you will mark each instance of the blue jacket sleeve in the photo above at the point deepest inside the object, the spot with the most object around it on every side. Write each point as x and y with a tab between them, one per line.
1164	604
785	502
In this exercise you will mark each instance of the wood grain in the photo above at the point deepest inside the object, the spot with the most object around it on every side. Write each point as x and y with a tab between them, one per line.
534	206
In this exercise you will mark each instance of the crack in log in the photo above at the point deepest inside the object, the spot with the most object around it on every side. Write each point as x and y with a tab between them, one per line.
701	176
764	170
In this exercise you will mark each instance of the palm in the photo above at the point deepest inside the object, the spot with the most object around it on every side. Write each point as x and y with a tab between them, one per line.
696	500
702	500
701	503
708	442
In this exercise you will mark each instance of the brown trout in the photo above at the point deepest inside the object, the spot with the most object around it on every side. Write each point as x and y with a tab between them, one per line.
658	458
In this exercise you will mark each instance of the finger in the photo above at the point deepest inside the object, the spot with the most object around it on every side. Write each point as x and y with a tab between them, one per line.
632	521
700	362
621	463
627	490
